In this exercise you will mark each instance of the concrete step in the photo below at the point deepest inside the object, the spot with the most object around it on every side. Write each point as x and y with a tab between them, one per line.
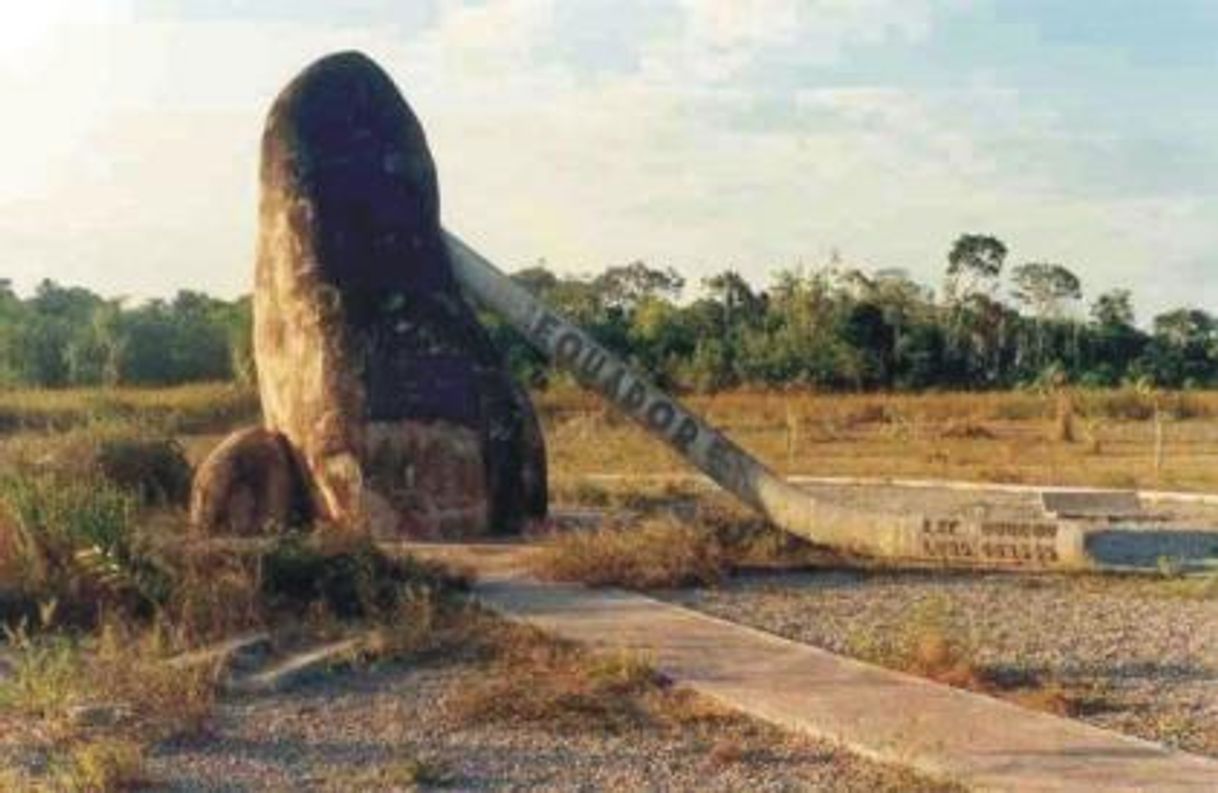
298	668
234	656
251	663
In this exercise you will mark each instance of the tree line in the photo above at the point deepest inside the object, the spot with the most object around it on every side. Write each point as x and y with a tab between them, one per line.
839	327
69	336
832	327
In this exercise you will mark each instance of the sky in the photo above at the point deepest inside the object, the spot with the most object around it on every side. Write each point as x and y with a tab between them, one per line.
699	134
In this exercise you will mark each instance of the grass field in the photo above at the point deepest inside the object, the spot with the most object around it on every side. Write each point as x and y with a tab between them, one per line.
182	409
93	482
996	437
1000	437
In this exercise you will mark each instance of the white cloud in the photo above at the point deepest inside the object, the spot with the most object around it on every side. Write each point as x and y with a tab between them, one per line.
131	165
753	23
496	33
724	36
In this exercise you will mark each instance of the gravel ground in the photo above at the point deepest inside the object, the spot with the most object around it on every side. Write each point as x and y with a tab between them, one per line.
1146	655
327	736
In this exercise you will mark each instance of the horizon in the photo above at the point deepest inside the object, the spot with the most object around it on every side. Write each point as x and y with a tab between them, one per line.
690	291
689	135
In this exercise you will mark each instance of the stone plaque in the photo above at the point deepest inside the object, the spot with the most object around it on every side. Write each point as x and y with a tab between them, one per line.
990	543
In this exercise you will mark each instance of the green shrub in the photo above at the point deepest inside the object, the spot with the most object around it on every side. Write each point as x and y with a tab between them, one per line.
62	515
72	541
156	471
355	581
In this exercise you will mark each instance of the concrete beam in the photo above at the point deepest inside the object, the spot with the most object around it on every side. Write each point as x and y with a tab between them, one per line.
949	541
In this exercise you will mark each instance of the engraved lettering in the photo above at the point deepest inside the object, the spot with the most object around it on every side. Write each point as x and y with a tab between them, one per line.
634	397
613	384
545	324
687	433
590	367
568	348
660	414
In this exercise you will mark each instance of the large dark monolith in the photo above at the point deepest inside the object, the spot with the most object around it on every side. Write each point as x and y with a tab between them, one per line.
396	408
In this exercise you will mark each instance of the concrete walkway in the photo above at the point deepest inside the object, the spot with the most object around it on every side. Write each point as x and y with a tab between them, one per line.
976	740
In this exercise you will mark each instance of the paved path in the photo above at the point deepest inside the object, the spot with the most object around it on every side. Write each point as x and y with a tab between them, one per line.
979	741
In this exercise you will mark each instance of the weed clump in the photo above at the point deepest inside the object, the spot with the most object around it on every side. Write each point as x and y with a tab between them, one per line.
931	645
928	645
44	676
350	581
538	681
748	540
88	705
105	764
659	552
120	667
403	773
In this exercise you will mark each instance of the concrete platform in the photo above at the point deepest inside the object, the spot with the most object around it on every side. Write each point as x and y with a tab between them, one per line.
979	741
1092	504
979	525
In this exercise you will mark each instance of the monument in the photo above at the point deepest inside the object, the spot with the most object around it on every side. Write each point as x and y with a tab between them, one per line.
388	410
386	407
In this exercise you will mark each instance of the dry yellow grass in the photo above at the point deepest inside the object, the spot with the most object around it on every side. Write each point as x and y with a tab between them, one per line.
117	667
90	707
931	644
653	553
998	437
659	548
189	408
533	679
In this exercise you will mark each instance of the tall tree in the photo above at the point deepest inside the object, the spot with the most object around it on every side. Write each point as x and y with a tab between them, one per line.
1046	289
1184	348
1115	342
740	303
1113	308
974	264
625	286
